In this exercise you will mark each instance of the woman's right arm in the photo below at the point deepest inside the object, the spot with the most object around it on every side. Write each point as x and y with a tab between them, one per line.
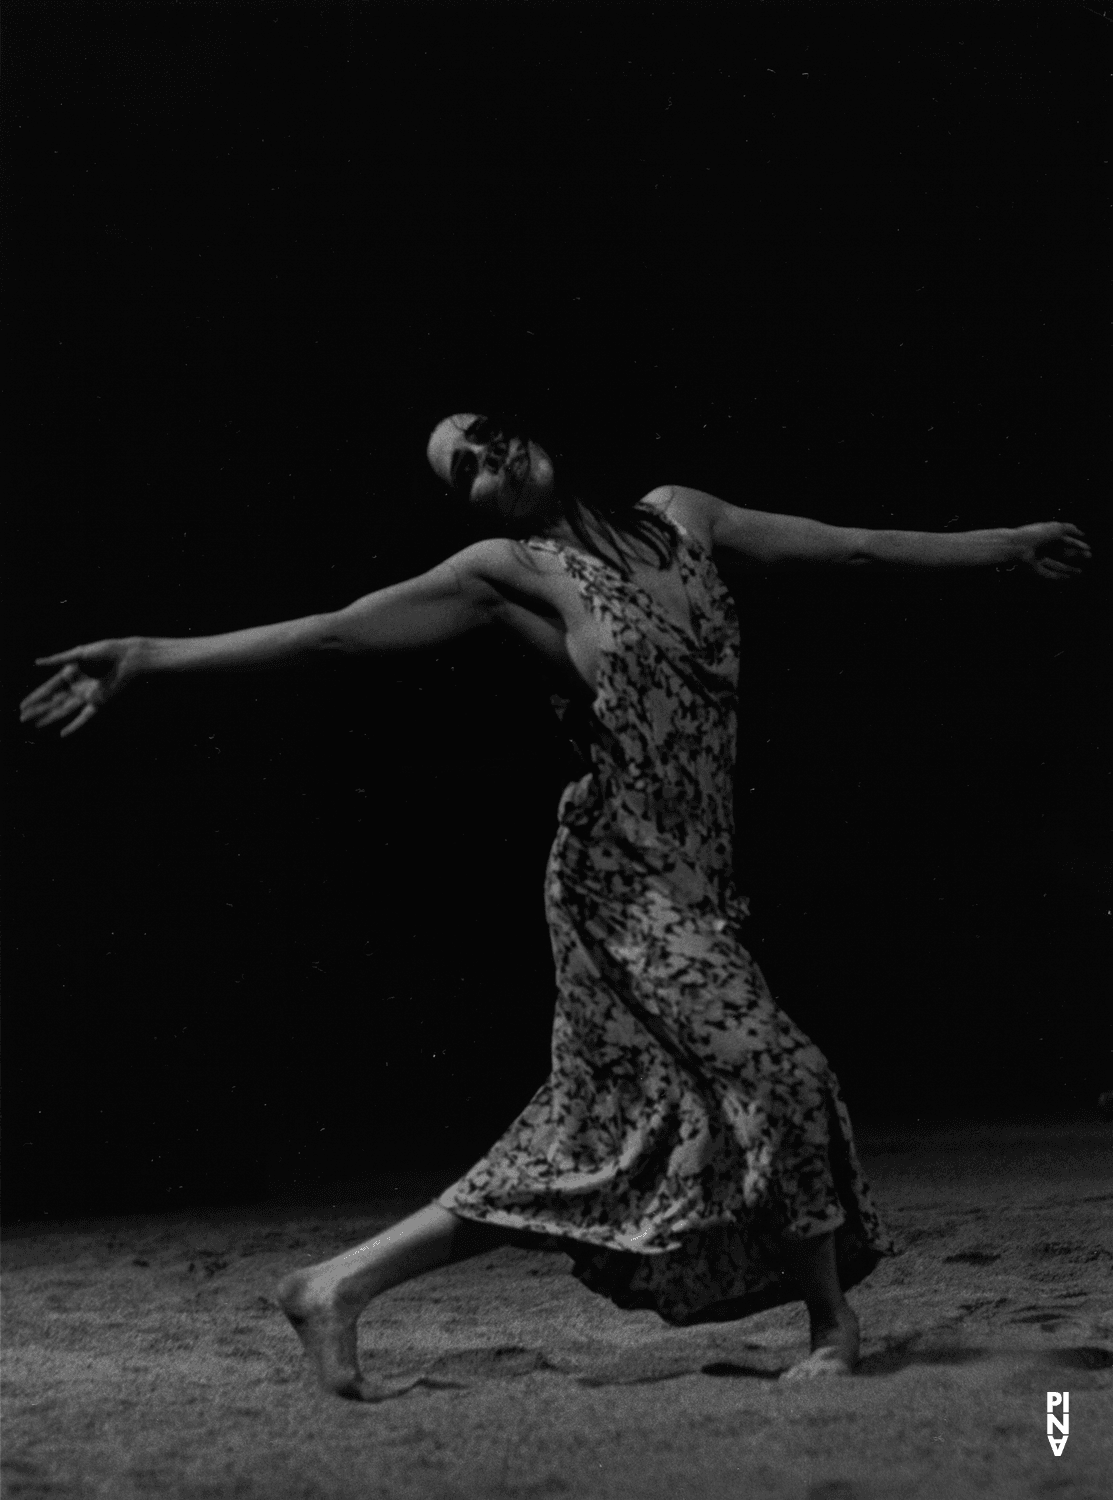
452	599
448	601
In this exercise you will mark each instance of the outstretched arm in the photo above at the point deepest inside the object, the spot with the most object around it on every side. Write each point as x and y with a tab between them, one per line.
1052	549
450	600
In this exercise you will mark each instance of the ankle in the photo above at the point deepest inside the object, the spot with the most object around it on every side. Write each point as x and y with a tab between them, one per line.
833	1322
832	1316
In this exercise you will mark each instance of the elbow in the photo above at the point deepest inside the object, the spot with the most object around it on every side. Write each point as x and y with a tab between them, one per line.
332	635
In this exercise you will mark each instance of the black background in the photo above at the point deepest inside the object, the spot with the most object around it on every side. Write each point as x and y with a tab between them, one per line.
846	261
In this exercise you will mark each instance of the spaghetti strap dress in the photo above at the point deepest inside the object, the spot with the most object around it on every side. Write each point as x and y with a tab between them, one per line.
687	1123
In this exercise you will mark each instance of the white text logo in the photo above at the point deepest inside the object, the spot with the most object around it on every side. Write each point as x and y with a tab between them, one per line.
1054	1399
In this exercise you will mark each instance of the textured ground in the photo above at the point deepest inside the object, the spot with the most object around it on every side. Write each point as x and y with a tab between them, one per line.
146	1356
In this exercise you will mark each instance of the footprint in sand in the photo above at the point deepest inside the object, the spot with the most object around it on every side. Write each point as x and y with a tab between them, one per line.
655	1362
637	1367
464	1367
1075	1252
1085	1366
731	1368
1084	1357
903	1353
504	1362
1048	1316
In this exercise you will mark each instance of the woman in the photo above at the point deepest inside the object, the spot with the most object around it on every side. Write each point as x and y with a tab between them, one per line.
690	1149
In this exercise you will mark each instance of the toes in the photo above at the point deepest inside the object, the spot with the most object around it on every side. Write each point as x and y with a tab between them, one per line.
822	1365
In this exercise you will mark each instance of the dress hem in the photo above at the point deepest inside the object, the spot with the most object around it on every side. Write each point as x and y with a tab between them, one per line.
604	1239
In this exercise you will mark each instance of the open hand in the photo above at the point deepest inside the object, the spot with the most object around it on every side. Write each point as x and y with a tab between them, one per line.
89	677
1053	549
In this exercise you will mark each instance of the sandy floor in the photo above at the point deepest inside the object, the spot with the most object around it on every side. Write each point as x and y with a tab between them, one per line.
146	1356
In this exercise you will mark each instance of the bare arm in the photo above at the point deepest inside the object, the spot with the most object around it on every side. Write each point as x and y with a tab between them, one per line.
1053	549
458	596
448	601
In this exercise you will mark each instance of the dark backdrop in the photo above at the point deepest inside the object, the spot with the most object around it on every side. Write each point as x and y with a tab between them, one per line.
847	261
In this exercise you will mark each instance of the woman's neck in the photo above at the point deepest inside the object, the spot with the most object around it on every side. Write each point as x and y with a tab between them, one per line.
559	526
591	536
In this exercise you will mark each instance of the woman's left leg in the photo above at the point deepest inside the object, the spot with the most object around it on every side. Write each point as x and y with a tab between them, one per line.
324	1301
834	1328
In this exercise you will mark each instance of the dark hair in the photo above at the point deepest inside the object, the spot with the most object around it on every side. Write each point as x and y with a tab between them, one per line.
623	525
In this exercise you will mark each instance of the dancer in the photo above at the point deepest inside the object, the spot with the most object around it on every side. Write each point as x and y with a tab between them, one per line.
690	1149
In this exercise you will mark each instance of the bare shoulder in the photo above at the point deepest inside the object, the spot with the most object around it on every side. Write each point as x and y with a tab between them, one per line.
695	510
506	565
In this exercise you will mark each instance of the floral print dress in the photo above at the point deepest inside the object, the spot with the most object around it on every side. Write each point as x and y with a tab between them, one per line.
687	1122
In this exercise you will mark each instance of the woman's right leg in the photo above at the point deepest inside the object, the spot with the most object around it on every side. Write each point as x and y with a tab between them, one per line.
324	1301
834	1328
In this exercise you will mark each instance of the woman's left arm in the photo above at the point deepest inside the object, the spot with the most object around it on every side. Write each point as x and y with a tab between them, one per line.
1052	549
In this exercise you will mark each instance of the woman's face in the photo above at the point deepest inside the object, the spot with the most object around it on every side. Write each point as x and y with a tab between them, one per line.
508	478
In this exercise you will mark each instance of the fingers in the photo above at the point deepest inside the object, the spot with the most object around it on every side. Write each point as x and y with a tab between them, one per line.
1072	543
1075	544
51	685
61	710
69	691
1064	536
1061	551
83	718
37	711
74	654
33	714
42	715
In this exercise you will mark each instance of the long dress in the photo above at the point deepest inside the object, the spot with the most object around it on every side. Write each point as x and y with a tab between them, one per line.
687	1123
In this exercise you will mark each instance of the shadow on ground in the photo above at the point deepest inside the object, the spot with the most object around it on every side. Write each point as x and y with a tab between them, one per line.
147	1357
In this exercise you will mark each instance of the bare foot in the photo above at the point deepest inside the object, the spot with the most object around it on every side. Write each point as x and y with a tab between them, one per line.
834	1349
326	1325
